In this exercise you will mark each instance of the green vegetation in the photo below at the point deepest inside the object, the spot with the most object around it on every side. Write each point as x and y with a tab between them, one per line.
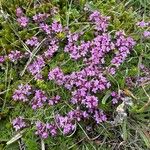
132	133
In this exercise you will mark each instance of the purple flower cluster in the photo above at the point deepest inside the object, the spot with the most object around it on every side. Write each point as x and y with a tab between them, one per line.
68	123
145	70
79	80
19	12
99	116
77	114
22	93
54	100
57	75
65	123
143	24
81	95
39	99
78	96
85	84
91	51
101	45
56	27
45	27
130	82
18	123
40	17
73	49
22	20
90	101
33	41
14	55
2	59
143	78
124	45
43	130
146	34
52	43
116	97
145	75
52	48
101	22
36	67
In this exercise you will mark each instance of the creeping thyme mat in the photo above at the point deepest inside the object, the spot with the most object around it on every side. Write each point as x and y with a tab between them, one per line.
74	77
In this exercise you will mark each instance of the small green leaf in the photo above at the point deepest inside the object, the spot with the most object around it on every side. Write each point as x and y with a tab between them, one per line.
107	95
145	138
124	129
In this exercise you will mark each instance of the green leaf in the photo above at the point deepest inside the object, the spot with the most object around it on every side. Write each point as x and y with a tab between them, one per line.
107	95
145	138
124	129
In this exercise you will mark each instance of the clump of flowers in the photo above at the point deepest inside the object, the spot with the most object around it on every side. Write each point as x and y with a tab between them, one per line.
77	114
57	75
54	100
139	80
144	25
2	59
14	55
19	12
145	75
18	123
124	45
52	129
86	84
116	97
146	34
40	17
45	27
44	130
99	116
36	67
22	93
52	48
56	27
33	41
65	123
41	130
22	20
39	99
100	21
90	101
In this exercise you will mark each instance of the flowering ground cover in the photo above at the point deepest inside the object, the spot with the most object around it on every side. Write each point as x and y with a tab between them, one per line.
74	75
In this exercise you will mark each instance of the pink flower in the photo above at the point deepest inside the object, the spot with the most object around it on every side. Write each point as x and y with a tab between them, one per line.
90	101
54	100
19	12
33	41
142	24
14	55
146	34
18	123
2	59
23	21
56	27
22	93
